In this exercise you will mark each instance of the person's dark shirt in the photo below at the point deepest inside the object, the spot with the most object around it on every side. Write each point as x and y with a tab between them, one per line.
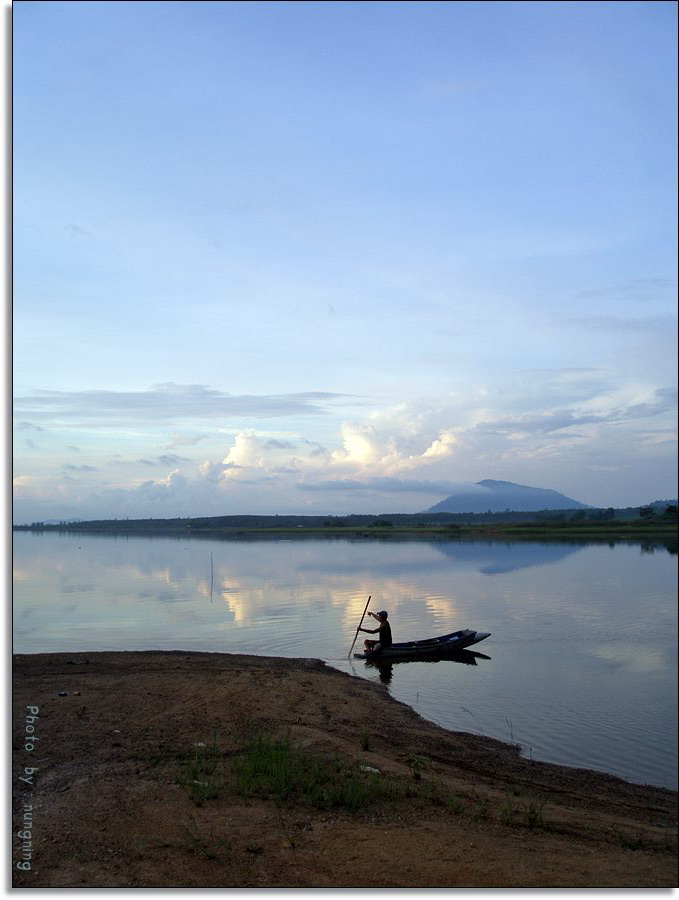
385	634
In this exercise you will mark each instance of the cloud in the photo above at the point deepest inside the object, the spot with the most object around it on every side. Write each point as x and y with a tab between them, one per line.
39	488
173	483
275	444
624	324
247	452
662	400
541	428
177	439
213	472
165	459
254	456
69	467
359	446
637	289
395	449
442	447
389	446
388	486
78	231
171	459
166	402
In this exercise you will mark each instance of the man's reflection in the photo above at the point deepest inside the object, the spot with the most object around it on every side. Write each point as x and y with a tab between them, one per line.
386	670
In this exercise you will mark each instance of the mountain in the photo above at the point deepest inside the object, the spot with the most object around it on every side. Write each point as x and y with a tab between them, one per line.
498	496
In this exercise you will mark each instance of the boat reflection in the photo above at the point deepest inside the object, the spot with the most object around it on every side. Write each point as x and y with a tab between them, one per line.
386	667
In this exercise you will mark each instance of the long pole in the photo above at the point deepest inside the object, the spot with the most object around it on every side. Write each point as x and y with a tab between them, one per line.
359	626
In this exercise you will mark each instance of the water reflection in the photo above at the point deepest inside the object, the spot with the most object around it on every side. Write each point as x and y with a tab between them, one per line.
583	646
497	558
385	668
632	657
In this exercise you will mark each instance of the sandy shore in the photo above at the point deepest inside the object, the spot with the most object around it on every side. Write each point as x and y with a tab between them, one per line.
101	744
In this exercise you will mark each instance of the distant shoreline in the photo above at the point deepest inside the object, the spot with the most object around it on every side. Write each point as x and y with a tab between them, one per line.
604	525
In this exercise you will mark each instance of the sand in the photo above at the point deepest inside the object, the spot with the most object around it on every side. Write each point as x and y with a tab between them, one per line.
97	800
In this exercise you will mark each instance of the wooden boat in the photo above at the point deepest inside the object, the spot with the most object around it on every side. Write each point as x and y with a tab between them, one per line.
437	646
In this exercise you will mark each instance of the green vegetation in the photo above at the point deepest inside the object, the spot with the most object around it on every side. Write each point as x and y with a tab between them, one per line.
655	523
526	813
416	764
200	775
532	810
637	842
205	841
275	768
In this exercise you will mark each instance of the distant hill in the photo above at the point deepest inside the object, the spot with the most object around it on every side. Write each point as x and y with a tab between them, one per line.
498	496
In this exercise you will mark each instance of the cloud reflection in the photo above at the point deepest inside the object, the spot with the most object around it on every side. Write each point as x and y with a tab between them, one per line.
632	657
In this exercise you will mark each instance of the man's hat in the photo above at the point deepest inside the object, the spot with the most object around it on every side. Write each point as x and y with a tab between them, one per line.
384	614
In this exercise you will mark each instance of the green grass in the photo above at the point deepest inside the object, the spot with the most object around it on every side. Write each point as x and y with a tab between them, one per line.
632	843
527	813
200	775
205	842
637	842
272	767
532	811
416	764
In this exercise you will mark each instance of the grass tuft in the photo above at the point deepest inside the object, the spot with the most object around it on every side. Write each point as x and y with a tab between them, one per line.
632	843
533	812
272	767
206	843
200	776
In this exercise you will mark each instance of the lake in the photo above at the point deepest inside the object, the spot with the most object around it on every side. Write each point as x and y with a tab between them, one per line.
580	668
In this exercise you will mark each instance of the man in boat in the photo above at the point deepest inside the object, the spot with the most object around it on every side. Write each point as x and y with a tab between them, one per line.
384	630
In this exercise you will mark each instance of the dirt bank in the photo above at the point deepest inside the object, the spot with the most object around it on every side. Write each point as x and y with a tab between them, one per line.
104	800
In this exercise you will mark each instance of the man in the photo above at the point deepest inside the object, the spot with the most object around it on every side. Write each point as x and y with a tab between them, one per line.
384	630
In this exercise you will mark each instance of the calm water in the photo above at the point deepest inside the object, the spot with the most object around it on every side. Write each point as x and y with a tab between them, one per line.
583	653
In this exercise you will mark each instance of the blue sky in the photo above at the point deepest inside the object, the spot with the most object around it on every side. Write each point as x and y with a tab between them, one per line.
341	257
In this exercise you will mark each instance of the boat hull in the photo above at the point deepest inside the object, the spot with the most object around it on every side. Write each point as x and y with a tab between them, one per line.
431	647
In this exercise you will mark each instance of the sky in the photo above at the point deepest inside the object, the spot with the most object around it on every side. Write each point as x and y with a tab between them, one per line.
341	257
